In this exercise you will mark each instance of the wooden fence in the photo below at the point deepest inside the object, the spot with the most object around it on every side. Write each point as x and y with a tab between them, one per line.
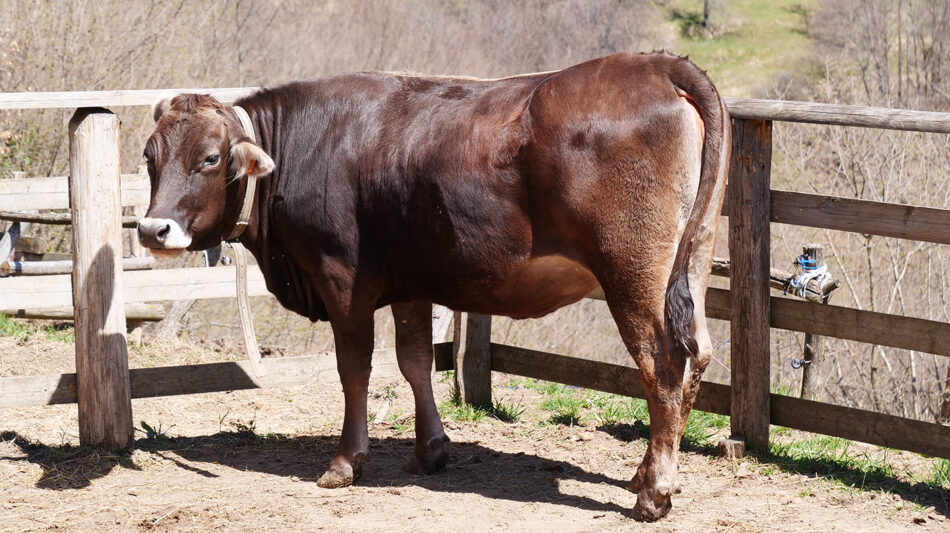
751	205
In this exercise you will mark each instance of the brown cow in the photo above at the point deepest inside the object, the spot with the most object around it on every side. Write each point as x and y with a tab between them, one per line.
508	197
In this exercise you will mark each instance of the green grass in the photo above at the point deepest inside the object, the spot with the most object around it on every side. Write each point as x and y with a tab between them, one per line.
507	412
9	327
757	40
832	458
701	427
61	332
452	409
941	473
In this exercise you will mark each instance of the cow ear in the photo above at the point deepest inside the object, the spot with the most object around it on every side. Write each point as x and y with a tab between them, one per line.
160	108
249	159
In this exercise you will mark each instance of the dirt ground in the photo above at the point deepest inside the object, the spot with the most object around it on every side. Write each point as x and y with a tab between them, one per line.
249	460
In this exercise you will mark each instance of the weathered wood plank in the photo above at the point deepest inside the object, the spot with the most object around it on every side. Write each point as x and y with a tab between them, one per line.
140	286
856	424
102	361
739	108
9	238
896	331
471	346
860	425
605	377
53	193
749	240
839	115
25	391
862	216
117	98
56	219
45	268
135	312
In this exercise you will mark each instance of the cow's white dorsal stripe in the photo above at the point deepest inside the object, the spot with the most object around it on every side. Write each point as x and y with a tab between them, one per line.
240	258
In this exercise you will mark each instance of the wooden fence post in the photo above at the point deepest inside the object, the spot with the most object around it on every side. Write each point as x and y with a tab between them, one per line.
749	239
471	348
813	378
102	365
12	234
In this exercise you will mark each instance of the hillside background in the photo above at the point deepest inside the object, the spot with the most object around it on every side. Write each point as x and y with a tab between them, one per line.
887	53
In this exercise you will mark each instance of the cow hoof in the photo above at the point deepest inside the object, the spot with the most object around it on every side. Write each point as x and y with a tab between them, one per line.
429	459
340	474
651	509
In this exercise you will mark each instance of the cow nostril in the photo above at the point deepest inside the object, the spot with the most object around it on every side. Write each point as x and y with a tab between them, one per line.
163	233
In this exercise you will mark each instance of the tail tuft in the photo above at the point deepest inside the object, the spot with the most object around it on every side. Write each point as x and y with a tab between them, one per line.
679	315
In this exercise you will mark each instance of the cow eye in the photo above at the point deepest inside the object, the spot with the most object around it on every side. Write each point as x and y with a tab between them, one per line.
211	160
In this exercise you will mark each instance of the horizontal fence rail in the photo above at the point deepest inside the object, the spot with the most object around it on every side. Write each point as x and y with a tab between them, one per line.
140	286
839	115
902	221
23	194
118	98
846	422
740	108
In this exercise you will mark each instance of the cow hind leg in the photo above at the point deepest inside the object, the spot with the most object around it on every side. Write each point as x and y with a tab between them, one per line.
354	352
636	304
415	355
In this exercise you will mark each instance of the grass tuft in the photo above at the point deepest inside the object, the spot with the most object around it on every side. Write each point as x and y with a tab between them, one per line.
701	427
941	473
507	412
61	332
9	327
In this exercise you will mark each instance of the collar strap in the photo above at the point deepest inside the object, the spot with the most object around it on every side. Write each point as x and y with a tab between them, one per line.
245	215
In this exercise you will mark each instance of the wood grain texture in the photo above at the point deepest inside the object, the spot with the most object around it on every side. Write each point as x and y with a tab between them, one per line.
9	238
56	219
605	377
910	333
140	286
102	365
472	349
749	240
860	425
136	312
44	268
739	108
118	98
25	391
856	424
840	115
53	193
862	216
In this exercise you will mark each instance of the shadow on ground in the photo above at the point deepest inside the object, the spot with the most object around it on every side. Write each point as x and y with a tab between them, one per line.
473	468
861	475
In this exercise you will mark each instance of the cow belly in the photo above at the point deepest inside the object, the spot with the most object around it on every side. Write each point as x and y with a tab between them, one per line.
543	285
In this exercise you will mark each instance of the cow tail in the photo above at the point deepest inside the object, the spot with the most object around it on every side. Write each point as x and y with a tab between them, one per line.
704	215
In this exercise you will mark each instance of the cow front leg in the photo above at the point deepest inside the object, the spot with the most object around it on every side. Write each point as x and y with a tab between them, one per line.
414	353
354	351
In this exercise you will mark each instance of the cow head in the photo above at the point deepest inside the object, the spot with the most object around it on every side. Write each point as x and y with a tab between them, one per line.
197	158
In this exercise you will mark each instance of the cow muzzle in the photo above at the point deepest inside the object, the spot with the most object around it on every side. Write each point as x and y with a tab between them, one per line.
163	236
